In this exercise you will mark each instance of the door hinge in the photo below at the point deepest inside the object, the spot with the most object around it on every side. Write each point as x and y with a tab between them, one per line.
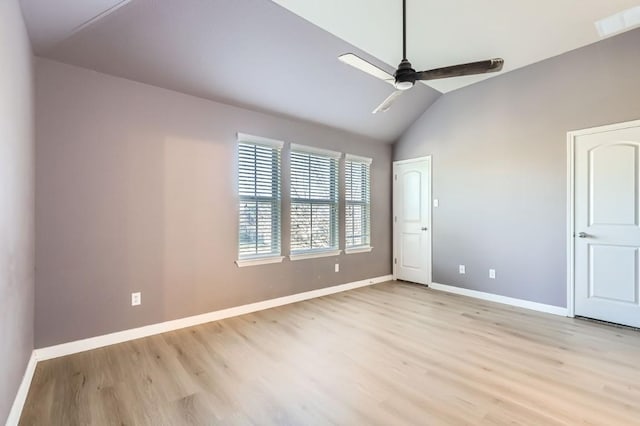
395	219
395	261
395	177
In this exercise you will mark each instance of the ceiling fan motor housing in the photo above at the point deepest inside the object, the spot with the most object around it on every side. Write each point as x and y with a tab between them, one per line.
405	75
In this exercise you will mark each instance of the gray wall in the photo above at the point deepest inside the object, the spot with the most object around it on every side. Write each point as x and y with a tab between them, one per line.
135	191
16	203
499	165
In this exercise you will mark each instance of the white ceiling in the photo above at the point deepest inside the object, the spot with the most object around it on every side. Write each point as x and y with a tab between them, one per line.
449	32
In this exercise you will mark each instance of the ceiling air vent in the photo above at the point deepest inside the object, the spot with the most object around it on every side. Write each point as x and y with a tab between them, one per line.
621	21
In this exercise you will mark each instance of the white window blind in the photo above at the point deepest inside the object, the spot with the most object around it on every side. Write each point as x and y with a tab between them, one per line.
259	191
314	200
358	201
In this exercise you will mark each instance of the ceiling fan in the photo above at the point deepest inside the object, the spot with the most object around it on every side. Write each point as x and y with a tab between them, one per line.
405	76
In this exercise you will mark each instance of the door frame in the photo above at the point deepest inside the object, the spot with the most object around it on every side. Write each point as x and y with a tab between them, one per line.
571	148
393	216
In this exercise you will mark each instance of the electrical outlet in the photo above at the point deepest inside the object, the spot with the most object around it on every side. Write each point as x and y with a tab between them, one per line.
136	299
337	268
492	274
461	269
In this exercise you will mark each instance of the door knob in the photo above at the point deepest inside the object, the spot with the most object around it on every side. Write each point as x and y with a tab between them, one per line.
582	235
424	228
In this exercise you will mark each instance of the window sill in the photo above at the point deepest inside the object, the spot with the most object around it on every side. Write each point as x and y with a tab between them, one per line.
258	261
315	255
363	249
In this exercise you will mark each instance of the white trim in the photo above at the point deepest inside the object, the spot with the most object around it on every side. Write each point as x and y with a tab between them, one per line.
571	137
149	330
605	128
358	159
259	261
413	160
535	306
312	255
23	391
354	250
570	224
259	140
314	150
394	259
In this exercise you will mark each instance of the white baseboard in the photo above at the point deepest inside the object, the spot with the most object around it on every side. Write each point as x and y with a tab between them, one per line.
163	327
541	307
23	390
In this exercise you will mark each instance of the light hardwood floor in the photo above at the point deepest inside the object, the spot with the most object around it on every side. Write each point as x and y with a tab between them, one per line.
393	353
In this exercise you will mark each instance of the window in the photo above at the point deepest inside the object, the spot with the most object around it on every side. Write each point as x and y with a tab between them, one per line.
260	204
358	203
314	202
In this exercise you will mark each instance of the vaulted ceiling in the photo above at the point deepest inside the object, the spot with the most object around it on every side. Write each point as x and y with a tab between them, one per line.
280	56
441	33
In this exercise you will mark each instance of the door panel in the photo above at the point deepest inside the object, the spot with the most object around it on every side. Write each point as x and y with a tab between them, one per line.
613	273
614	177
412	220
607	235
410	249
411	204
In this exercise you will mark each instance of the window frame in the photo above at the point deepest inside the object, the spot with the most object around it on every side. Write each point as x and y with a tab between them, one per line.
275	256
366	204
333	202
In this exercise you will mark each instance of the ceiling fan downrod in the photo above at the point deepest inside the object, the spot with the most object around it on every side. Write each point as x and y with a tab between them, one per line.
405	75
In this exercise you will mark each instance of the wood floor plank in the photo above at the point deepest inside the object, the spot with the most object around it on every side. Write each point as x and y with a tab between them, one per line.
393	353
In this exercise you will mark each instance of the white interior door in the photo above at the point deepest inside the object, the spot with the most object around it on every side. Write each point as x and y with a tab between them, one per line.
412	220
607	225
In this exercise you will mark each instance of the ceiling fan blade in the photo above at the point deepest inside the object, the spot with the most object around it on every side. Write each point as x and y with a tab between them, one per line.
472	68
369	68
386	104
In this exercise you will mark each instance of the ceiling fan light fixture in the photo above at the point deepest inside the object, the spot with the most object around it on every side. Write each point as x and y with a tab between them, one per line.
403	85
